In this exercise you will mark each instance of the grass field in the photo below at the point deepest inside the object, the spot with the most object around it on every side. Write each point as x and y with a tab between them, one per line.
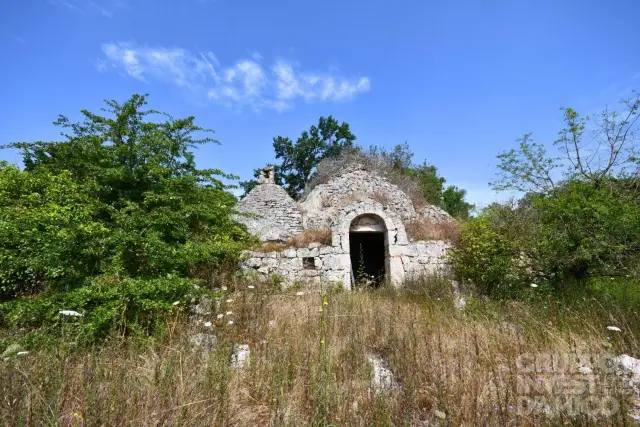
492	363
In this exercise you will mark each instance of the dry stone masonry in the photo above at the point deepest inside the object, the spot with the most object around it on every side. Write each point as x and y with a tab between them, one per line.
354	203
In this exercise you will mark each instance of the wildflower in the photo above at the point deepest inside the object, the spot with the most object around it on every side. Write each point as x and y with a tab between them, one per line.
533	285
22	353
585	370
229	301
224	288
299	294
207	324
251	287
176	303
321	310
540	380
614	328
77	415
70	313
441	415
229	313
220	316
512	407
230	322
325	303
322	341
272	323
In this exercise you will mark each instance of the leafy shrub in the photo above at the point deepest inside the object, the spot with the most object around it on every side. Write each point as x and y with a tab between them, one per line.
49	231
484	257
121	195
578	232
108	305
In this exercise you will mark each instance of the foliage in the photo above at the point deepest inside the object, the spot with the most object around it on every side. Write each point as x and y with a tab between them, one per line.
299	159
108	306
591	150
566	232
462	362
589	230
485	257
454	203
49	231
120	195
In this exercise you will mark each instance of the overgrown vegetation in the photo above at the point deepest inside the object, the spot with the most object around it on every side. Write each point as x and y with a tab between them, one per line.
301	240
325	150
308	365
579	221
423	229
119	198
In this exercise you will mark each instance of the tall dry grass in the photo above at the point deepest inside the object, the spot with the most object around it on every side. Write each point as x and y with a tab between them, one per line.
308	366
301	240
423	229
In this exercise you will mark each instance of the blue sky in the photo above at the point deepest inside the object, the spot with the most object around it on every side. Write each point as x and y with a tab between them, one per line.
458	80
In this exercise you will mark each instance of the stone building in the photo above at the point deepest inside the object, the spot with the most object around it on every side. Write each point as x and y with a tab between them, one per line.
358	220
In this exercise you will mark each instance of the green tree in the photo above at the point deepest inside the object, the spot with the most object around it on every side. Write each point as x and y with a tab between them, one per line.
136	201
299	159
590	149
580	216
453	201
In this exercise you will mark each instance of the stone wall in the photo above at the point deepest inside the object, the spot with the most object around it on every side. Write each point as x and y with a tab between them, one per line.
322	204
330	264
271	212
338	204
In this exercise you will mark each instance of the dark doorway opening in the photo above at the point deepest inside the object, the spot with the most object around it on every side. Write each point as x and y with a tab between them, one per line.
367	257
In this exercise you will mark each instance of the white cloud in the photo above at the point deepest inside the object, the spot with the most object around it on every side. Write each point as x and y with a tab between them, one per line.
19	39
244	84
89	6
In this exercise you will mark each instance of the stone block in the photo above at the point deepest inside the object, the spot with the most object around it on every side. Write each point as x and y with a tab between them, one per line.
289	253
252	262
396	250
326	250
337	262
396	271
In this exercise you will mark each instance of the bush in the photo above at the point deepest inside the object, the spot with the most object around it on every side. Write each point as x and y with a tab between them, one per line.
49	232
575	233
120	196
485	257
137	307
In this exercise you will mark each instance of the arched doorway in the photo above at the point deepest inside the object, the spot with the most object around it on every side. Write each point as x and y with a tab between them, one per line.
367	250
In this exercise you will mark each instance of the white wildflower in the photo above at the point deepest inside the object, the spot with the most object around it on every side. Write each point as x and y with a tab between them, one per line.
251	287
70	313
207	324
585	370
224	288
220	316
229	301
230	322
22	353
229	313
299	294
533	285
176	303
441	414
614	328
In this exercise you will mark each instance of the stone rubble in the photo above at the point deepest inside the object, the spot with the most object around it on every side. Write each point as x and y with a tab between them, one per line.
382	378
239	355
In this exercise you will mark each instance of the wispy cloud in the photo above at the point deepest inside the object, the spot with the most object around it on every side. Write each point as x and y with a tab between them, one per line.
247	83
87	6
19	39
